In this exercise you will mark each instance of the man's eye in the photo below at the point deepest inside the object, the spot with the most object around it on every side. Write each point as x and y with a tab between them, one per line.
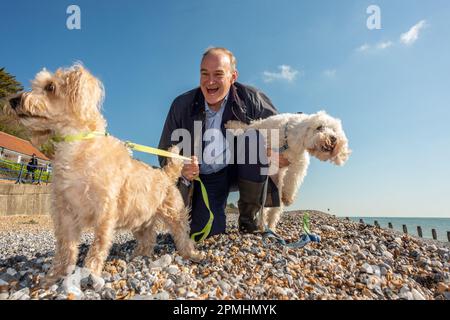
50	87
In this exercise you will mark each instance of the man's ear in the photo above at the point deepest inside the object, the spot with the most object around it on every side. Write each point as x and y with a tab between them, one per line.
38	138
234	76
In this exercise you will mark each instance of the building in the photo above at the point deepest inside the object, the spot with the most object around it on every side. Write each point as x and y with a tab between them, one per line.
18	150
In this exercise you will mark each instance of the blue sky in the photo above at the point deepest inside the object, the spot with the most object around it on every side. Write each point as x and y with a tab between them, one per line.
392	97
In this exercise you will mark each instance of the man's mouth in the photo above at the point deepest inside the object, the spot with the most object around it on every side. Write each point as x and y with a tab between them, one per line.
212	90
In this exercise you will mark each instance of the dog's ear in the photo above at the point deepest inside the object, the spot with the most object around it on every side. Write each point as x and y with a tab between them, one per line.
38	138
85	93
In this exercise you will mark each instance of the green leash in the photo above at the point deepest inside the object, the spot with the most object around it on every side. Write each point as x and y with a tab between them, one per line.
207	229
306	223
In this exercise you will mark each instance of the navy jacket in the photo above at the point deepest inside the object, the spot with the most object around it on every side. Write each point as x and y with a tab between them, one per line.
245	104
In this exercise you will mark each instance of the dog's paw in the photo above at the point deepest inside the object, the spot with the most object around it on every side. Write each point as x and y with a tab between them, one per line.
235	125
287	201
49	280
232	124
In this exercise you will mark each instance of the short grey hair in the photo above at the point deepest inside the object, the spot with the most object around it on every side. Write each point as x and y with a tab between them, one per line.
222	50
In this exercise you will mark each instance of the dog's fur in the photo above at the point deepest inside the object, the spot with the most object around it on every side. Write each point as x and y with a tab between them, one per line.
96	183
318	135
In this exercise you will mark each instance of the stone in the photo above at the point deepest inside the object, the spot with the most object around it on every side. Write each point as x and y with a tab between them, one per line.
4	296
373	281
162	262
23	294
3	285
173	270
71	285
169	284
162	296
11	271
191	295
398	241
406	296
133	284
109	294
181	292
376	270
97	282
143	297
417	295
388	255
442	287
366	268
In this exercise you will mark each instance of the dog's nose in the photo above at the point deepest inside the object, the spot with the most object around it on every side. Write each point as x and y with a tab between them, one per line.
15	102
333	140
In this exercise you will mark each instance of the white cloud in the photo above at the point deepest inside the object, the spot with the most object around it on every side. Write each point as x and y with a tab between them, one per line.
286	73
408	38
363	48
380	46
384	45
330	73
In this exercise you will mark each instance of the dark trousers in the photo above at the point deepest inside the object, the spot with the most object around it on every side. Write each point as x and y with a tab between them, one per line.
32	173
218	186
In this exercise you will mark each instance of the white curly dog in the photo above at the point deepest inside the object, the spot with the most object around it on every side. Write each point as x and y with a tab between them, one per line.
299	136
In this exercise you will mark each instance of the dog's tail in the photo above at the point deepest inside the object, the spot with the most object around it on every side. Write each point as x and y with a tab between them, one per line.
174	165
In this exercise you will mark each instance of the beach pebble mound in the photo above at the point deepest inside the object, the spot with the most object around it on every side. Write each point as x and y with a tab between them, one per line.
353	262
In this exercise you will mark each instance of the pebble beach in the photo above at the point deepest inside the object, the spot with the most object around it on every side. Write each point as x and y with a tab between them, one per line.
352	262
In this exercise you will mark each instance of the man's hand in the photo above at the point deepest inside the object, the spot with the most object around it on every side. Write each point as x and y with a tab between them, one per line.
277	158
191	169
282	161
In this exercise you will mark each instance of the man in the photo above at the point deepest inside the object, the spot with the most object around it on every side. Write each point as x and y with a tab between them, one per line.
31	167
219	99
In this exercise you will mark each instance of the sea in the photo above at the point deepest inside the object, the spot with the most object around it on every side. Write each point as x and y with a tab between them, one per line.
442	225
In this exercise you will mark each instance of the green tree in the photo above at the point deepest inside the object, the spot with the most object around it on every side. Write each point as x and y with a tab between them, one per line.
10	86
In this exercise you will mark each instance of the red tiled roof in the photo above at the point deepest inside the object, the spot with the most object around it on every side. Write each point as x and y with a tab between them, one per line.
13	143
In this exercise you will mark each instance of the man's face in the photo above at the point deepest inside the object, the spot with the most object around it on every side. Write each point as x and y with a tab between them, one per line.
216	77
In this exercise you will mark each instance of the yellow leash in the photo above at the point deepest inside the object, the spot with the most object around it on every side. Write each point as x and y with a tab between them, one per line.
80	136
158	152
163	153
207	229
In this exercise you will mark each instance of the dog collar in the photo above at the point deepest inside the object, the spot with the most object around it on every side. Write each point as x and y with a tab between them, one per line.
80	136
285	146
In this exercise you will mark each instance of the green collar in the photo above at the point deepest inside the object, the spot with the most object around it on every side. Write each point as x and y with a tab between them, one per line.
80	136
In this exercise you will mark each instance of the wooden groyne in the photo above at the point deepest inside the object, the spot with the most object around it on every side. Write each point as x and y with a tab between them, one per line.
405	229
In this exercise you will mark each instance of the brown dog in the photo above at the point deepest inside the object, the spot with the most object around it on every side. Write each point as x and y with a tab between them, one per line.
96	183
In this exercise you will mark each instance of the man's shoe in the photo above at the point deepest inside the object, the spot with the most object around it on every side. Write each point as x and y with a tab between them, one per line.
249	204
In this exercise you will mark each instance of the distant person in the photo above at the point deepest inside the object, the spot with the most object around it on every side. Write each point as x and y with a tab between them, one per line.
31	167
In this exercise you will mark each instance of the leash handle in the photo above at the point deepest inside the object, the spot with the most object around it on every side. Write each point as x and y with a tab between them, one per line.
155	151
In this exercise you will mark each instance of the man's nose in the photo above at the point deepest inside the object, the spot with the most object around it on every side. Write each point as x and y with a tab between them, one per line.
15	102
